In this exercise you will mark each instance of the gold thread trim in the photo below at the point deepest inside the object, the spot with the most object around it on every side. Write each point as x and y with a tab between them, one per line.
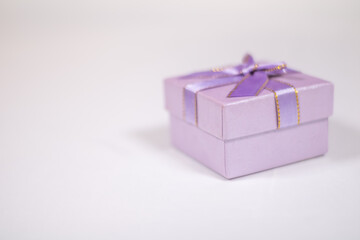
297	98
262	86
277	68
243	79
220	69
217	69
277	106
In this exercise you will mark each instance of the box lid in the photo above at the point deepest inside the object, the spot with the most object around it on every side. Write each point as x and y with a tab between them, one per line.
231	118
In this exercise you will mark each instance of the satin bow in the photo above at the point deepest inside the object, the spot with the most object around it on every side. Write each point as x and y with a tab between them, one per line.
250	78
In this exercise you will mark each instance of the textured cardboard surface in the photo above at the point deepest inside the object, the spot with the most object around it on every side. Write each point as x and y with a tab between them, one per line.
243	156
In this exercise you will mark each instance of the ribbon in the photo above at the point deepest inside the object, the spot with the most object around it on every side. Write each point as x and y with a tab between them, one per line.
251	79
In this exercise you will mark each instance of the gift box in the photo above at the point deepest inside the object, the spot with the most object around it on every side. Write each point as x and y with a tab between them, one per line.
250	117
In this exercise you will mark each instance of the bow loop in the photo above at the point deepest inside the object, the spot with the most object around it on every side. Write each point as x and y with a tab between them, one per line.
248	59
233	71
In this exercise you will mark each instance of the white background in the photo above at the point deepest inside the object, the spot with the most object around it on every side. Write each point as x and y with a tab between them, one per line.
84	146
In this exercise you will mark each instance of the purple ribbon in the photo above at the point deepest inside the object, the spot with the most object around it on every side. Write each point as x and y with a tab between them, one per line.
250	79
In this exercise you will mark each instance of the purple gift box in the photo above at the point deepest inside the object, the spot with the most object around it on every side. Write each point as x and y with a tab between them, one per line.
250	117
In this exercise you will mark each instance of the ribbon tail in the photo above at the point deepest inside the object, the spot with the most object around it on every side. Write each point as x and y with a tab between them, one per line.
282	71
250	85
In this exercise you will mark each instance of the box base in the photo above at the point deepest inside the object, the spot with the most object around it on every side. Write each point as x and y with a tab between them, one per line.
243	156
